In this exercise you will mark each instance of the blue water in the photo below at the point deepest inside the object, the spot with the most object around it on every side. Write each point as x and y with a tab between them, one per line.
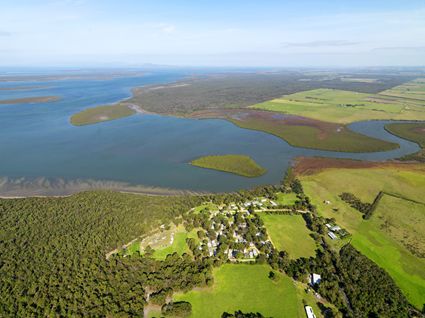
37	140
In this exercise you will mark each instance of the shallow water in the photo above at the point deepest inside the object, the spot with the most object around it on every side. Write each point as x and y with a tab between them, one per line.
37	140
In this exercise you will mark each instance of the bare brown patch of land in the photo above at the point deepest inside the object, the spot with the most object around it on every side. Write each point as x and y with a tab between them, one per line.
29	100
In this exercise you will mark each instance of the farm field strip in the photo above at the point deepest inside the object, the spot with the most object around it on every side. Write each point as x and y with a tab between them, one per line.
344	107
382	238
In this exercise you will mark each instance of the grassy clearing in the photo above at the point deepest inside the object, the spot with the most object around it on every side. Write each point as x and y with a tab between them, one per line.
100	114
238	164
339	106
179	245
316	135
164	242
395	224
209	206
289	233
414	89
133	248
286	198
246	288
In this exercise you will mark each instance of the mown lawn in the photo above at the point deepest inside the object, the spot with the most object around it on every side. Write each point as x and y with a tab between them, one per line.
339	106
237	164
289	233
379	238
246	288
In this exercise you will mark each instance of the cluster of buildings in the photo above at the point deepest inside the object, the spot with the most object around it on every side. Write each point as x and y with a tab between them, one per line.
260	203
236	228
334	231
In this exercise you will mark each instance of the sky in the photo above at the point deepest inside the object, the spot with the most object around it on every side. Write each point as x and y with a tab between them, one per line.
250	33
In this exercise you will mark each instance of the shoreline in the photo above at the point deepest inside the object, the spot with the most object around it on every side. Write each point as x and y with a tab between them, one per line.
20	188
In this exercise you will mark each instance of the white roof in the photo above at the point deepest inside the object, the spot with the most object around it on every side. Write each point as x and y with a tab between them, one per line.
332	235
309	312
315	278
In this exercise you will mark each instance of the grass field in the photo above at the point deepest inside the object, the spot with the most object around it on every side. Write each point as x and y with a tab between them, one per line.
246	288
396	223
343	107
414	89
238	164
100	114
289	233
409	228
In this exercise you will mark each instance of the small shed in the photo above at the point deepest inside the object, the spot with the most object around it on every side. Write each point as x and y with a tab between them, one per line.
315	279
332	235
309	312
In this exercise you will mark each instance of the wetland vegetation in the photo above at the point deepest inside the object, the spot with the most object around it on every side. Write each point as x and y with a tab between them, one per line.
238	164
101	113
29	100
411	131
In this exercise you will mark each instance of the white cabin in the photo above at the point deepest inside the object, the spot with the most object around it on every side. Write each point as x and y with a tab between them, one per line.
315	279
309	312
332	235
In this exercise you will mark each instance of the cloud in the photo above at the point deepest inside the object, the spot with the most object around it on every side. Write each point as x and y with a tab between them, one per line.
70	2
401	48
330	43
165	27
